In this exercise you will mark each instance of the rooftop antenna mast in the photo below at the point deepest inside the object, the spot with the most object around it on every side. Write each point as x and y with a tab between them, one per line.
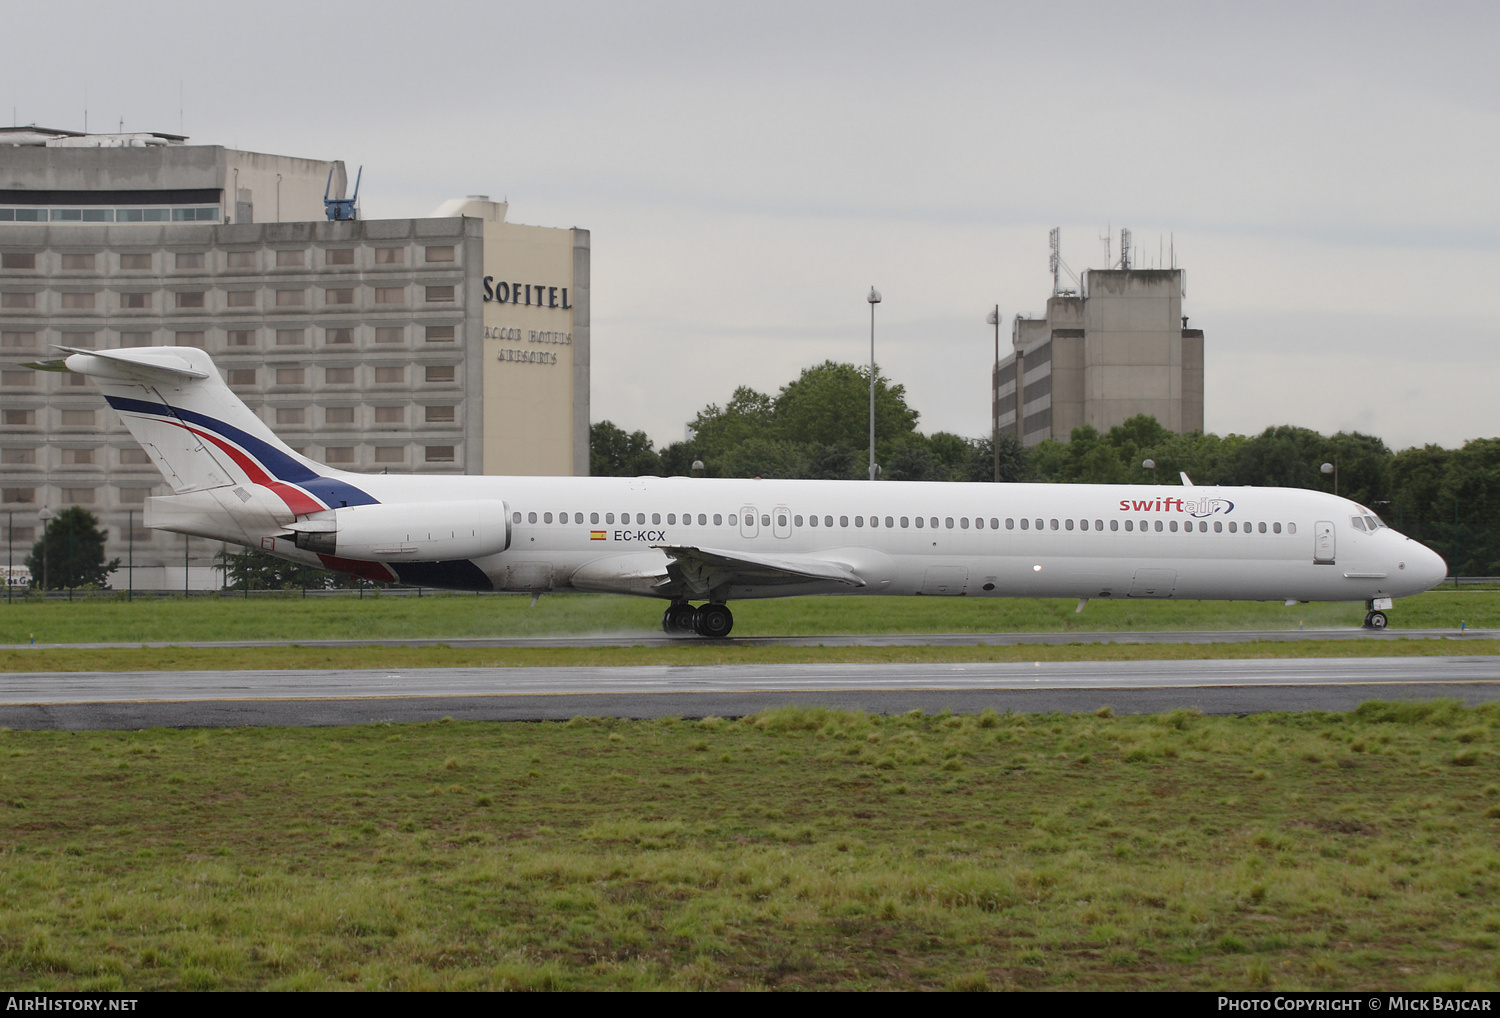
1058	266
1124	248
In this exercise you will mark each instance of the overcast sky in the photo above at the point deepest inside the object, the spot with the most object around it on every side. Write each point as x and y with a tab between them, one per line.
1327	174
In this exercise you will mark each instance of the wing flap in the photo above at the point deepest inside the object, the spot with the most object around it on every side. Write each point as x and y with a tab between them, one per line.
702	571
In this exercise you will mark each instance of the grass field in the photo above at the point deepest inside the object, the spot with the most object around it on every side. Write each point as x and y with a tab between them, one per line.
128	659
793	849
456	616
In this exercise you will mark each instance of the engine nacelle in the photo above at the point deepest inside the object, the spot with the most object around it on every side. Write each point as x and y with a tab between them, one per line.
407	531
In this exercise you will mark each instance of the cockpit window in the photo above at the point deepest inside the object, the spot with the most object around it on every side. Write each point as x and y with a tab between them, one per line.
1357	522
1374	522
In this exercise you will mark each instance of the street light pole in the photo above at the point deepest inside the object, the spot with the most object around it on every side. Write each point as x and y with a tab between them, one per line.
46	517
873	298
994	319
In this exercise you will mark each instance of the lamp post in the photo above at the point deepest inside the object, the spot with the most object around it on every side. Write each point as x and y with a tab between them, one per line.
993	318
873	298
1332	468
46	517
10	554
1149	465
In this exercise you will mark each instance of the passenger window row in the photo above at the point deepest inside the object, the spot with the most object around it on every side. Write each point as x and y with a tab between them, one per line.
920	522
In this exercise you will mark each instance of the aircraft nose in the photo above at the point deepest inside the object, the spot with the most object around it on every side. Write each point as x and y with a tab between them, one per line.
1425	566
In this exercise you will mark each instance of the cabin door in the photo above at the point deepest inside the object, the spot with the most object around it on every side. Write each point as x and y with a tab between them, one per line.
1323	541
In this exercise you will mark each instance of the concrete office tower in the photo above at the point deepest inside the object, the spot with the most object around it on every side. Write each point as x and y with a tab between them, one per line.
1121	349
451	344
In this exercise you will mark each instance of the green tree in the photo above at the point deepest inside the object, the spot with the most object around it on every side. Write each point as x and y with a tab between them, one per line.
748	414
1013	459
762	457
612	453
1416	481
256	570
71	553
830	403
1469	499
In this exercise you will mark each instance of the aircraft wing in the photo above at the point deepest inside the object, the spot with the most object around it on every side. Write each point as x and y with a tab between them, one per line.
701	571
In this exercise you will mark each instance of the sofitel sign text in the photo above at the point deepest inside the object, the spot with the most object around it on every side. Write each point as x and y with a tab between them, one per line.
527	294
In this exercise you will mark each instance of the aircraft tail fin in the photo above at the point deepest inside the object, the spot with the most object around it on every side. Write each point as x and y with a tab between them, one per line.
199	434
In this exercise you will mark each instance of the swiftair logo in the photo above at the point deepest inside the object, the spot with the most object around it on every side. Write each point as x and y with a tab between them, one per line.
1198	509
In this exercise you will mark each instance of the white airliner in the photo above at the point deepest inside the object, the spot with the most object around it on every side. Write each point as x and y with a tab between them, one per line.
713	541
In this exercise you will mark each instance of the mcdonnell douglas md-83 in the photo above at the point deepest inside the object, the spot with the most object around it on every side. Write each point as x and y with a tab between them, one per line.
688	540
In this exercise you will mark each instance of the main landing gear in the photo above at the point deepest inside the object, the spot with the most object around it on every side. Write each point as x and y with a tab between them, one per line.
1375	619
712	620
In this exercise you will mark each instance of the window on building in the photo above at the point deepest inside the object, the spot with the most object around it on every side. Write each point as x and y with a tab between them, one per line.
338	335
17	340
18	418
134	496
78	457
290	259
390	415
390	334
241	259
291	337
339	256
73	381
190	299
190	260
17	300
20	535
241	376
78	418
128	339
440	373
338	376
290	298
343	295
242	337
338	454
87	340
18	496
291	415
440	254
390	376
78	496
240	298
438	294
390	294
135	300
289	376
18	260
439	333
78	262
390	256
196	339
439	414
134	457
77	301
440	454
339	415
17	457
135	263
390	454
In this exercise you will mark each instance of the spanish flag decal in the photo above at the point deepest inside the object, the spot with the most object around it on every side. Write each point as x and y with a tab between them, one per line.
596	535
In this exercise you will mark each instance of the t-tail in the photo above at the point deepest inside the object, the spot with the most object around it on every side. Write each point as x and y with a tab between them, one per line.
232	478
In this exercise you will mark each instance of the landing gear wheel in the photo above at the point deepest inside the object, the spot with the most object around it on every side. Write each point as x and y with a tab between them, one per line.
679	620
714	620
1375	620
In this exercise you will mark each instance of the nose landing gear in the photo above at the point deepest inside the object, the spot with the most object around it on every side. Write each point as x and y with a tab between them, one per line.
1375	619
711	620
